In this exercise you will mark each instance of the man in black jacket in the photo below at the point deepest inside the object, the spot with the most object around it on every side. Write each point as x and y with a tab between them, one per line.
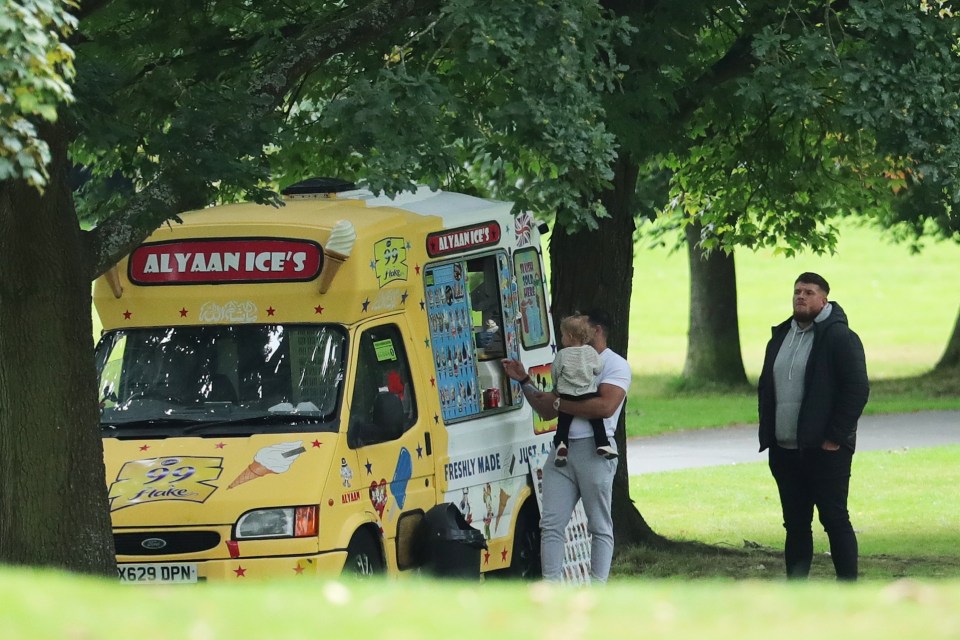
812	390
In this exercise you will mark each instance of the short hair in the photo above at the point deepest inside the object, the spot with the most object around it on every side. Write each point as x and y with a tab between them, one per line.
578	328
813	278
600	319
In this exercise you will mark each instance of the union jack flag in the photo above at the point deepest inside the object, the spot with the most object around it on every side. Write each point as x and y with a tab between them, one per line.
522	225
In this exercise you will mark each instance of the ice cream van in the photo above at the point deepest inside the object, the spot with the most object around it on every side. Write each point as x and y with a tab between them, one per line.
290	391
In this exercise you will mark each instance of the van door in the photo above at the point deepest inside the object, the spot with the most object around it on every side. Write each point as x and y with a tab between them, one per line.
390	436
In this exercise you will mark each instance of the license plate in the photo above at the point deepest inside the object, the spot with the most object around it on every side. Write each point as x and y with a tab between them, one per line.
158	573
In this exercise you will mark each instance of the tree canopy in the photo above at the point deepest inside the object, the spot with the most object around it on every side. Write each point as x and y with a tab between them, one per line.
241	97
789	115
182	104
36	68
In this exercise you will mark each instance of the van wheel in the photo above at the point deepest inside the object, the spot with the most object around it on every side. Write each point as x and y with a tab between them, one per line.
525	558
363	556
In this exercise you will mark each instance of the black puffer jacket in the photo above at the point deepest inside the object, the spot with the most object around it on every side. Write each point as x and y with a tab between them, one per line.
835	385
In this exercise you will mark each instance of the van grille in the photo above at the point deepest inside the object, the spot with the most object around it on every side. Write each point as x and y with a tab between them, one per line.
177	542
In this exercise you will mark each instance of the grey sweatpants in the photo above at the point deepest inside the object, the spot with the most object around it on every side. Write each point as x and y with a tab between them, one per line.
589	477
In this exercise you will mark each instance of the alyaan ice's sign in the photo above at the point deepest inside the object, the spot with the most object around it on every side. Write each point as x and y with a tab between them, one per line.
442	243
219	261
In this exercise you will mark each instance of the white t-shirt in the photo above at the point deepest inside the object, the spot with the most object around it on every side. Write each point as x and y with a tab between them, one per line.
616	371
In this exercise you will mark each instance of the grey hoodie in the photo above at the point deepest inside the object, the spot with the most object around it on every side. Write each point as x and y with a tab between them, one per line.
788	378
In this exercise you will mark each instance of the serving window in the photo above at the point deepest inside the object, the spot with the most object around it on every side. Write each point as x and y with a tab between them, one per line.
471	307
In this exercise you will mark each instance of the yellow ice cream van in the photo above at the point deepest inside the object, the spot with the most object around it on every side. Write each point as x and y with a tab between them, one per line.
318	388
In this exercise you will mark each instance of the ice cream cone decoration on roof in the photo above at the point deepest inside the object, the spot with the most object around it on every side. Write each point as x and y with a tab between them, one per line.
336	250
113	279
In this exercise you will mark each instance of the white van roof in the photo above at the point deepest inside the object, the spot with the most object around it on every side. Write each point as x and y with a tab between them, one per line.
455	208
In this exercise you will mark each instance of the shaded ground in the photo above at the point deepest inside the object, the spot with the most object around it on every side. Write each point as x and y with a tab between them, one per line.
756	562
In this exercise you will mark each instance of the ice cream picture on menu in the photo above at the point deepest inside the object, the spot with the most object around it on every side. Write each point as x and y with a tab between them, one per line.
335	252
276	458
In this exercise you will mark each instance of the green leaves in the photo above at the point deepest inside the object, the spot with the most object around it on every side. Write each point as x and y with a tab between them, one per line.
387	93
35	70
808	111
513	87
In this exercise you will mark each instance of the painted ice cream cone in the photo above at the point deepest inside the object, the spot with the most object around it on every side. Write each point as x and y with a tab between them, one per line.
336	250
253	470
276	458
504	497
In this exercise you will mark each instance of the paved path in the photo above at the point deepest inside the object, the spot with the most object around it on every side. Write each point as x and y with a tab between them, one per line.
731	445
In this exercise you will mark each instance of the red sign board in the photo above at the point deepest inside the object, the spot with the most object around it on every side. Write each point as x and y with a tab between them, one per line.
227	260
443	243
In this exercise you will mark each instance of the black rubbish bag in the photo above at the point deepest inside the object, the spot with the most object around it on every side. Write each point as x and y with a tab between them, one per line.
452	545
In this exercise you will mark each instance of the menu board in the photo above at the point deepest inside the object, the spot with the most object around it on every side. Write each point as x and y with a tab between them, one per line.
508	298
451	335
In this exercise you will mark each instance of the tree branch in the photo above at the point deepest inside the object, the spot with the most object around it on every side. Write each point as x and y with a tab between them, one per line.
172	193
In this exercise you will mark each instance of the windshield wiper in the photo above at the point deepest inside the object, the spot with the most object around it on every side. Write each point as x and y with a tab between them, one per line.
272	418
146	422
145	428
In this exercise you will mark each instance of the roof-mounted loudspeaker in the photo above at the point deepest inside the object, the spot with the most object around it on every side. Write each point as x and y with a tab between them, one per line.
318	186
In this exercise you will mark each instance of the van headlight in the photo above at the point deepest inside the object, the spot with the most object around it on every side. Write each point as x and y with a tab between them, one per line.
285	522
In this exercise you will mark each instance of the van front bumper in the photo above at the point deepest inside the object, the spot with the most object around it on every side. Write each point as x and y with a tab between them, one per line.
261	568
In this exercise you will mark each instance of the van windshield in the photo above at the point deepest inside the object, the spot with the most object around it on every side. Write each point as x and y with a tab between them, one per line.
220	379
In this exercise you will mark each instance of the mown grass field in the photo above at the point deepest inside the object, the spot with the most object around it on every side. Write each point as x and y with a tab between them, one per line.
902	305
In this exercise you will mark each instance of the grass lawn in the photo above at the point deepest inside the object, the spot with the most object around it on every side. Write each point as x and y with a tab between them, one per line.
902	305
903	504
50	606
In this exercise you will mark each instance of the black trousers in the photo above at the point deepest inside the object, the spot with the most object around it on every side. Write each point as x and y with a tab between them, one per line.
814	477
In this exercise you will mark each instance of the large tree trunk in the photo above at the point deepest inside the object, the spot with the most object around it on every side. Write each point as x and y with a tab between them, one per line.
950	360
713	342
53	496
594	269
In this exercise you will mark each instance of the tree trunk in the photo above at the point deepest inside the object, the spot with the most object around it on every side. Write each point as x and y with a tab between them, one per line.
53	496
595	269
950	360
713	341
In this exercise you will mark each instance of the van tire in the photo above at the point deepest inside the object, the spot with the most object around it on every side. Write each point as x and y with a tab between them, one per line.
525	555
363	556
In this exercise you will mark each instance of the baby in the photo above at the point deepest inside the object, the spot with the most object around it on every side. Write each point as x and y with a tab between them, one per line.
575	372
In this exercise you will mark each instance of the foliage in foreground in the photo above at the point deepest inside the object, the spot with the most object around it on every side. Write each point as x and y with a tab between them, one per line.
89	608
